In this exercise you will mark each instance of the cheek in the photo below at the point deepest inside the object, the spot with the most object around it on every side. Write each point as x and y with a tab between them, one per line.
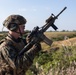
22	30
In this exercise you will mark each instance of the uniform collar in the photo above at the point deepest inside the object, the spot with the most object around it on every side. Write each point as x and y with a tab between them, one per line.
15	40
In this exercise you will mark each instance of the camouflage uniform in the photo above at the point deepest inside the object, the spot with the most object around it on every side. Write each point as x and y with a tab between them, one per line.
9	48
9	65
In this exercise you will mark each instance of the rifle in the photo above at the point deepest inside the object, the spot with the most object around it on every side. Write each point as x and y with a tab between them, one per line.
37	34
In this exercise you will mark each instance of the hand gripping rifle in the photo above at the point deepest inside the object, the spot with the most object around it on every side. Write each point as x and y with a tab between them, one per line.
37	33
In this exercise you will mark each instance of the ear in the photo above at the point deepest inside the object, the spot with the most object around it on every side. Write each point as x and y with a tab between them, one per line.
12	26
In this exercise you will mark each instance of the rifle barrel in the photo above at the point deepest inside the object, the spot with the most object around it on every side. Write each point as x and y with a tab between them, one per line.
61	11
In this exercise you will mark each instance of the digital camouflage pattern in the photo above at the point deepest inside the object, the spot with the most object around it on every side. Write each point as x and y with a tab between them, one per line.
9	49
12	22
18	19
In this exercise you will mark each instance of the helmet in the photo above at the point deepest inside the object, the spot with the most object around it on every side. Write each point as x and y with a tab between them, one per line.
12	22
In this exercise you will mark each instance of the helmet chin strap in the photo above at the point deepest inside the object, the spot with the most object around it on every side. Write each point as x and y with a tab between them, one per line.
20	32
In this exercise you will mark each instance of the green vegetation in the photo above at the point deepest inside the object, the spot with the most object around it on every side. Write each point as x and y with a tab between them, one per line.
60	62
55	61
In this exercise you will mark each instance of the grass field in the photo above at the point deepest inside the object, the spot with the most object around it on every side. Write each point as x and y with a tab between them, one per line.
57	59
53	34
59	34
58	38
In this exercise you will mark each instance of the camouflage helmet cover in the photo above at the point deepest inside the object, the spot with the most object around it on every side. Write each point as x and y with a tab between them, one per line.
16	19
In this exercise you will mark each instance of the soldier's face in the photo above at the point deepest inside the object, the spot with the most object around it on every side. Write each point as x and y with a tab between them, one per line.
22	28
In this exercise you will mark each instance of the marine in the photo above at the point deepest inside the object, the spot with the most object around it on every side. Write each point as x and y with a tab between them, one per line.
12	44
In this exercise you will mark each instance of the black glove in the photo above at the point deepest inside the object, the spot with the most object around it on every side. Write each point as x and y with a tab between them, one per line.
34	51
38	46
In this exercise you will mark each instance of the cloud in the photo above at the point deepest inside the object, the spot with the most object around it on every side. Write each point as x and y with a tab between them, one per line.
29	10
47	8
34	9
22	9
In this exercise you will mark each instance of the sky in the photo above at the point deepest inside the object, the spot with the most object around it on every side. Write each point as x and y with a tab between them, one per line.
37	11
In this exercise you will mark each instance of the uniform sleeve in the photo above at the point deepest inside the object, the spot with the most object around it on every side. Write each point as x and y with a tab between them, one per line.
30	55
6	64
34	51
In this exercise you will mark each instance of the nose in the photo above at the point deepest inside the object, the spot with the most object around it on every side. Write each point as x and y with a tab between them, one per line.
23	26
